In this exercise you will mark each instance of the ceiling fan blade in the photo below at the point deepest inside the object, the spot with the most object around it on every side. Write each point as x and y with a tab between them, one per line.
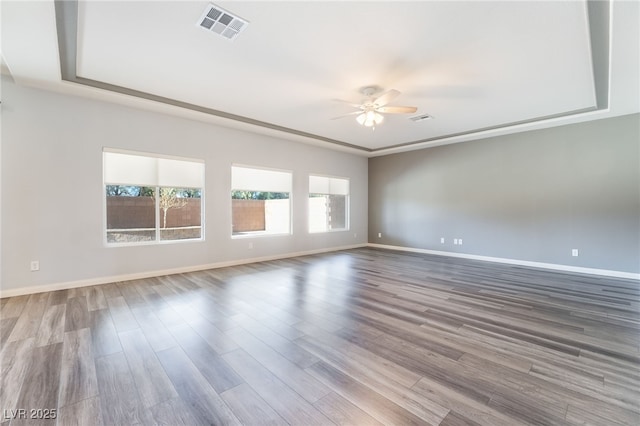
347	115
397	109
348	103
386	97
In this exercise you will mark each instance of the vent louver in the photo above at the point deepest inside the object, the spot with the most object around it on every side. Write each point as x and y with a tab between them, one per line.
222	22
421	117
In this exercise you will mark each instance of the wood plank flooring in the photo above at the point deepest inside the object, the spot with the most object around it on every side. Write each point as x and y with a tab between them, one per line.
361	337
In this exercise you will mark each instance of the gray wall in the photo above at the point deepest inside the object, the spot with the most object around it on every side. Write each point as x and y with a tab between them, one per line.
531	196
52	195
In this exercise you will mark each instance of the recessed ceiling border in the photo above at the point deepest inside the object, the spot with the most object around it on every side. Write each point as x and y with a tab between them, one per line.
67	28
598	13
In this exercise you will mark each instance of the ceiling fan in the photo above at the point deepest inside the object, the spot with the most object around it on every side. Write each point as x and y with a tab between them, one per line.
370	111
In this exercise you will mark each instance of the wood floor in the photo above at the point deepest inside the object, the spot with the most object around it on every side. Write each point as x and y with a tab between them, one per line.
358	337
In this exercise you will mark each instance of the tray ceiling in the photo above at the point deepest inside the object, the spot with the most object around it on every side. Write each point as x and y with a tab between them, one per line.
476	66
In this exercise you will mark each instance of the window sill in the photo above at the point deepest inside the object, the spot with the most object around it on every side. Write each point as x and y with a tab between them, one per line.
153	243
259	234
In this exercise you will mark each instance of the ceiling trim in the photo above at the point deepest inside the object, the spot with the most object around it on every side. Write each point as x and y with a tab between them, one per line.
67	28
598	12
489	128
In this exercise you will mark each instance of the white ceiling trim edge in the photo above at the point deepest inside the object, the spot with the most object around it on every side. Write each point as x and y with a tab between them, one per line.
501	131
66	20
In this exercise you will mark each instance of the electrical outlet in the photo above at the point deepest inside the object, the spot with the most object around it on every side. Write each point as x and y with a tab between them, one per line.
455	241
35	265
250	246
379	234
442	240
574	252
459	241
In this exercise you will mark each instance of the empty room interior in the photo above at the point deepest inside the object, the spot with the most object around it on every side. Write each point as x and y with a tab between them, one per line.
320	212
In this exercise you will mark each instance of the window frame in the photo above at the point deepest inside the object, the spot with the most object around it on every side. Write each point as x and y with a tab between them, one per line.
347	213
157	214
262	234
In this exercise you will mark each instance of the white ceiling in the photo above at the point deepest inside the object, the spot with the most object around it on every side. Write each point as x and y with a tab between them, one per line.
478	67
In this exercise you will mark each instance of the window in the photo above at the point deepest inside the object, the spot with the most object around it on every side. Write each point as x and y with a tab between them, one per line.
260	201
151	198
328	204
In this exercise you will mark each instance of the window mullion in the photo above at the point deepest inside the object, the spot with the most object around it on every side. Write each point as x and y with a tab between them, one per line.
157	199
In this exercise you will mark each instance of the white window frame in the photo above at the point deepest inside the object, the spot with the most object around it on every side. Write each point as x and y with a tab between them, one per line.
160	181
288	189
338	182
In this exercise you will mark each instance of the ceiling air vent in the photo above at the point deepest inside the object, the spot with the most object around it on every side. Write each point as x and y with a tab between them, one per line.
222	22
421	117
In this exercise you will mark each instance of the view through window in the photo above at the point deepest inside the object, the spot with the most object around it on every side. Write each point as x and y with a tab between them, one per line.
328	204
260	201
150	198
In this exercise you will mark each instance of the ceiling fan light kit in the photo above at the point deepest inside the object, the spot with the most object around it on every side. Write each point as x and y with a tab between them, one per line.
370	119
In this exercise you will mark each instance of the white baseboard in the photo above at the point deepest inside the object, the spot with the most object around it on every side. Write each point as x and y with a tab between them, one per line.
148	274
553	266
